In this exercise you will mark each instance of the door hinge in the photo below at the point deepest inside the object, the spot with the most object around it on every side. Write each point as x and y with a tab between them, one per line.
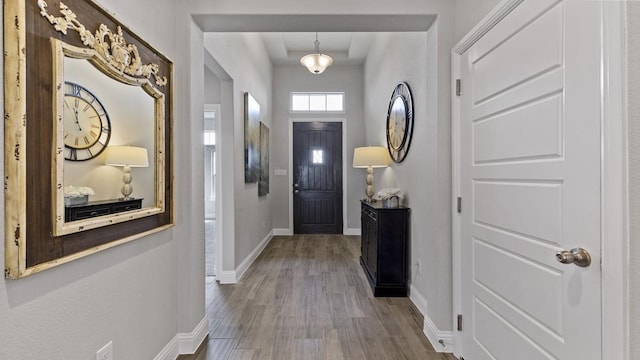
459	205
459	322
458	87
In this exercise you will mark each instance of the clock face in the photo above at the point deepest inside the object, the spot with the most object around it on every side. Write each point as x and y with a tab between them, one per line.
400	122
397	123
87	128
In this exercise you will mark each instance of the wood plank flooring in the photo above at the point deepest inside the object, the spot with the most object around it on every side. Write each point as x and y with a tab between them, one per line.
306	297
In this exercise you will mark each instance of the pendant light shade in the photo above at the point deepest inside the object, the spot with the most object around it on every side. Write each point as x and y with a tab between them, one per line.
316	62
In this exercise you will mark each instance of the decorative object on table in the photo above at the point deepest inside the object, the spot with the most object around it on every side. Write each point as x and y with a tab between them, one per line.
390	197
127	157
263	181
316	62
400	122
370	157
77	195
87	128
251	139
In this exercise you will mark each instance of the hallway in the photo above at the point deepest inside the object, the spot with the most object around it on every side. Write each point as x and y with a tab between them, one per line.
306	297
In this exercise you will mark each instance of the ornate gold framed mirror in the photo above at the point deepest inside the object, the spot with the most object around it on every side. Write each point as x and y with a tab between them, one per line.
80	87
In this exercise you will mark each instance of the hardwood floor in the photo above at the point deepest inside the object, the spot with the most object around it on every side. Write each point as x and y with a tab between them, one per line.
306	297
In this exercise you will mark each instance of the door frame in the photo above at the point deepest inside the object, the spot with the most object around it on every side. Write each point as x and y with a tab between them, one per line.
217	185
614	170
289	230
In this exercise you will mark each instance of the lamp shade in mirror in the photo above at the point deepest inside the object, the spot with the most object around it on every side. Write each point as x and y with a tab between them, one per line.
127	157
131	156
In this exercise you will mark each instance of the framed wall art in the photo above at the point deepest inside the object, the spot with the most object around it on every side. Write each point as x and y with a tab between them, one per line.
263	182
251	139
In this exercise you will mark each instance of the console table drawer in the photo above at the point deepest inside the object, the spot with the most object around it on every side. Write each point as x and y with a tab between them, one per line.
100	208
80	214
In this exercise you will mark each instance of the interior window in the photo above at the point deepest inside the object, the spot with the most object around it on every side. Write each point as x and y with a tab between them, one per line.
317	102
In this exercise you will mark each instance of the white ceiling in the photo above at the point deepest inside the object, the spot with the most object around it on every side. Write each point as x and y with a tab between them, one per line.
287	38
344	47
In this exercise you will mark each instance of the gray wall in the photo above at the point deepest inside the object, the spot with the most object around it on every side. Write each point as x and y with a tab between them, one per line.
288	78
245	59
127	294
211	87
425	174
633	43
469	13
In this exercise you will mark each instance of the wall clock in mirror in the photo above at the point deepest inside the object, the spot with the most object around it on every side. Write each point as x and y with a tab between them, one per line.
400	122
87	128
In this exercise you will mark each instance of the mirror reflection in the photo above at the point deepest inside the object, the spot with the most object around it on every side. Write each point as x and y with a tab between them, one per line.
109	137
109	144
397	123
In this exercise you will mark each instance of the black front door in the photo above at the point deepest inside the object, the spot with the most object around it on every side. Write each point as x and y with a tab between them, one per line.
317	176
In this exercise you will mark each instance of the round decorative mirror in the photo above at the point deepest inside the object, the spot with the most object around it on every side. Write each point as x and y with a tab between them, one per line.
400	122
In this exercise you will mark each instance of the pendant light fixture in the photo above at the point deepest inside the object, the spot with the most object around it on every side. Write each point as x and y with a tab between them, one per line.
316	62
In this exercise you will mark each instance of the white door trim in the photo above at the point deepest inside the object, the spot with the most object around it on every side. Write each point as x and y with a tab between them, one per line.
218	190
614	192
455	216
344	162
614	195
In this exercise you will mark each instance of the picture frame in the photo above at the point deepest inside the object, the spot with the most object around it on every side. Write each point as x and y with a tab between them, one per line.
251	139
263	181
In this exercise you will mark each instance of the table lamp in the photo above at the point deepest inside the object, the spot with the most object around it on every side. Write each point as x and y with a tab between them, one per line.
127	157
370	157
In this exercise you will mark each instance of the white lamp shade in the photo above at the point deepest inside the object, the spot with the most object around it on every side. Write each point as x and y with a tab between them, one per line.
374	156
132	156
316	63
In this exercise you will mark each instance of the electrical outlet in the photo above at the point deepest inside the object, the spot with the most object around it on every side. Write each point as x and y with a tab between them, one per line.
106	353
419	265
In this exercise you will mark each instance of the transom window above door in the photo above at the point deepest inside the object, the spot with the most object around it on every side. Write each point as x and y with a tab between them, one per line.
317	102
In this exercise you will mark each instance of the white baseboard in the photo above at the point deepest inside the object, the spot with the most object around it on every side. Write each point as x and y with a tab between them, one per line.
189	343
232	277
442	341
418	300
282	232
244	265
289	232
170	351
352	231
226	277
185	343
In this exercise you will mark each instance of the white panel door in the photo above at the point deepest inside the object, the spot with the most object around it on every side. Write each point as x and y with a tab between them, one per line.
530	183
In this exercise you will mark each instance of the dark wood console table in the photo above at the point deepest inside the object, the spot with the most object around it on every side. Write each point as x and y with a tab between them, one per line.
385	248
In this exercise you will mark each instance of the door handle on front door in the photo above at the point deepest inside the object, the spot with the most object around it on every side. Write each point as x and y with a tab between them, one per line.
295	188
578	256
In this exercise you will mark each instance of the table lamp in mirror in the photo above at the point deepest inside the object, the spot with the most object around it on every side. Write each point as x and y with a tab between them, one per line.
127	157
